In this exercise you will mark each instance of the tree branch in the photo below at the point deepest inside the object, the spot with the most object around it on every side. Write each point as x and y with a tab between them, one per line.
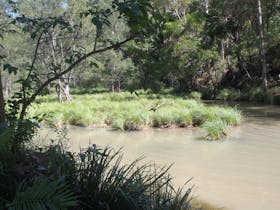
72	66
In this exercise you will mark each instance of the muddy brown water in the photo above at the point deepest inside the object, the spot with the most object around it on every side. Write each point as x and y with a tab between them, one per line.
239	173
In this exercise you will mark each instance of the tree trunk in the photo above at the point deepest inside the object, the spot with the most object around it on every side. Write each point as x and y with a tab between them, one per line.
207	6
2	104
223	49
262	47
8	87
119	86
113	87
67	92
59	91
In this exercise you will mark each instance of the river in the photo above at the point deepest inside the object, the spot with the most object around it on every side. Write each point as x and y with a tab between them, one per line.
241	172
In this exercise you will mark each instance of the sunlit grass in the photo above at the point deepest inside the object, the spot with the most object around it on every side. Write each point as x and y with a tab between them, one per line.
129	112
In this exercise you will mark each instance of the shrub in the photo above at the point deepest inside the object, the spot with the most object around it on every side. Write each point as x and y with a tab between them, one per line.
195	95
229	95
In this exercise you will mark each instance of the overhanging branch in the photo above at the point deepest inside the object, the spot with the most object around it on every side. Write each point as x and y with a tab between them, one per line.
73	65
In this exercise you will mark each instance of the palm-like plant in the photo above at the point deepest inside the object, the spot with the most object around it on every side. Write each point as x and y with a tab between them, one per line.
43	194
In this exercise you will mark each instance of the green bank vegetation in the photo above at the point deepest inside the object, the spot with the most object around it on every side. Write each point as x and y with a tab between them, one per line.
129	112
50	177
255	94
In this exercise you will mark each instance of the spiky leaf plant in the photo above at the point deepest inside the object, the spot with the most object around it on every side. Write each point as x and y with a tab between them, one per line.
103	182
43	194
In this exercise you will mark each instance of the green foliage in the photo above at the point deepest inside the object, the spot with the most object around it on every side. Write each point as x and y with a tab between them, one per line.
254	94
208	93
43	194
215	129
103	182
195	95
118	123
229	95
136	122
232	117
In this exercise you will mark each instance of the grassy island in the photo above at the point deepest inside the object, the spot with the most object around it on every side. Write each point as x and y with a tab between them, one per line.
130	112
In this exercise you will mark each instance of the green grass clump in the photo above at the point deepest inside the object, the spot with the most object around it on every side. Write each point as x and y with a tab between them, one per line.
129	112
136	122
118	124
163	119
217	121
215	129
230	116
183	119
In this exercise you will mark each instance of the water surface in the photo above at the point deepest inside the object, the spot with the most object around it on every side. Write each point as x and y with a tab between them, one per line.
240	173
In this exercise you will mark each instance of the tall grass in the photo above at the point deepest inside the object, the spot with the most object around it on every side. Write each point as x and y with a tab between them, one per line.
128	112
215	129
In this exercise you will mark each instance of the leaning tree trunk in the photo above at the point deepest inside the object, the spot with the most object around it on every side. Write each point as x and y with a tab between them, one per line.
262	47
2	105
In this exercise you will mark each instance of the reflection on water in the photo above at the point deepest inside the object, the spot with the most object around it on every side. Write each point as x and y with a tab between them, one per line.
242	172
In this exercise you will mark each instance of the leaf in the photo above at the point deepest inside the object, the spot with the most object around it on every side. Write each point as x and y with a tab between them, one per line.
11	69
92	63
97	22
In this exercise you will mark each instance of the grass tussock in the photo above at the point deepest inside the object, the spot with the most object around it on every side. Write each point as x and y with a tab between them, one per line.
131	112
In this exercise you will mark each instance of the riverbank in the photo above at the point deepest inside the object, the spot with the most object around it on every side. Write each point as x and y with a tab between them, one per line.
131	112
245	95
